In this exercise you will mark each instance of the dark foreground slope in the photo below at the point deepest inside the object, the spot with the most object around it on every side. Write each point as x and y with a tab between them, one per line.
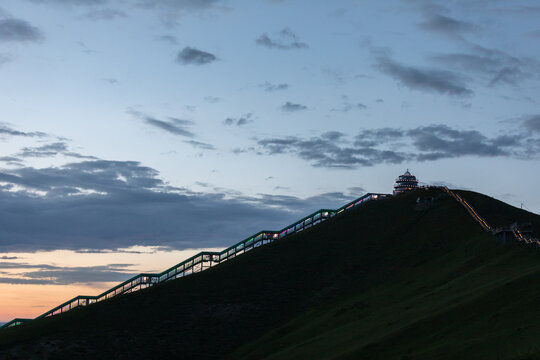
385	281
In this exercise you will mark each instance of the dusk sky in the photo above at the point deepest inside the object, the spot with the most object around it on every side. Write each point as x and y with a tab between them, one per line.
135	133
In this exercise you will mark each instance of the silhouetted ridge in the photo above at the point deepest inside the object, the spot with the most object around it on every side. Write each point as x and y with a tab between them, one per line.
200	262
387	280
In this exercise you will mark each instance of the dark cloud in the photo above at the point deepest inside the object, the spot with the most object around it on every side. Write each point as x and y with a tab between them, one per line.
18	30
192	56
430	80
324	152
292	107
55	275
172	125
274	87
11	160
103	14
332	135
8	257
507	75
175	126
286	39
200	145
533	123
240	121
50	150
395	146
5	129
446	25
116	204
439	141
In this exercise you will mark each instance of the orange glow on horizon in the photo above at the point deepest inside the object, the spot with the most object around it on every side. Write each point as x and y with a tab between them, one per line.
32	300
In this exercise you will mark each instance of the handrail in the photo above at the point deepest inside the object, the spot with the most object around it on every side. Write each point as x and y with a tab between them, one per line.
520	237
469	208
201	261
514	228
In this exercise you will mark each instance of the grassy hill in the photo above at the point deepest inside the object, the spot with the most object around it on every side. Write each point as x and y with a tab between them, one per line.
385	281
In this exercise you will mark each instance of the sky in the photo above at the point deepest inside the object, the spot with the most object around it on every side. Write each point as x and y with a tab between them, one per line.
135	133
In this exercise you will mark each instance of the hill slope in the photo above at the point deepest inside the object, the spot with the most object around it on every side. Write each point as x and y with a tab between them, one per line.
384	281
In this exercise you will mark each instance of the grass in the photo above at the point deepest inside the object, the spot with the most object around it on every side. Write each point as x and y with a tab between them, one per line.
385	281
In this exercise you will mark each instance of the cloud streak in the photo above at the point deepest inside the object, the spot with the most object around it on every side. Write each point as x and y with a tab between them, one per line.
43	274
428	80
446	25
7	130
50	150
173	125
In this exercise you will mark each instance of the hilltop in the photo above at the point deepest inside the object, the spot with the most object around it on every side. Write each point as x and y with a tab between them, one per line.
386	280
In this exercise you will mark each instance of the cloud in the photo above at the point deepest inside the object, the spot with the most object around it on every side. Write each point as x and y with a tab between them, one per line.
532	124
348	106
73	2
50	150
11	160
111	81
117	204
446	25
200	145
440	141
395	146
5	129
292	107
286	39
172	125
55	275
274	87
430	80
175	126
171	10
212	99
324	152
507	75
495	66
18	30
243	120
5	58
179	4
103	14
167	38
192	56
8	257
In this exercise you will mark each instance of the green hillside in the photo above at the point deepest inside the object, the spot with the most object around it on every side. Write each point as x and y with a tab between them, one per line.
385	281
